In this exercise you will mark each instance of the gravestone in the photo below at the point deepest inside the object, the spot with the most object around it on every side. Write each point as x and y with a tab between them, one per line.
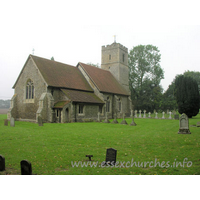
131	113
184	124
135	113
5	122
40	123
144	116
156	115
26	168
111	155
198	124
12	122
115	119
170	113
140	114
163	117
2	163
98	119
149	115
106	119
176	116
124	121
133	123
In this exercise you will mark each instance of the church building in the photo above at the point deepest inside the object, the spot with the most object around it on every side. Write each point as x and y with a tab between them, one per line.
63	93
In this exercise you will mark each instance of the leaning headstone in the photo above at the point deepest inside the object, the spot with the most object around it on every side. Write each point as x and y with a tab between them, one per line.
156	115
170	115
184	125
163	117
40	123
198	124
12	122
115	119
26	168
140	114
135	113
144	116
106	120
124	121
5	122
111	155
2	163
176	116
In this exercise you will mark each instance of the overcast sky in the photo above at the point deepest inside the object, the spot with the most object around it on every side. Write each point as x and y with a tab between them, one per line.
74	31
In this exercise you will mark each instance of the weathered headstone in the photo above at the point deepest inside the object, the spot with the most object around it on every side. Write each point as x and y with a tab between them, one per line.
163	117
106	119
131	113
124	121
176	116
115	119
184	125
5	122
144	116
135	113
198	124
149	115
170	115
12	122
40	123
2	163
26	168
111	155
98	119
133	123
140	114
156	115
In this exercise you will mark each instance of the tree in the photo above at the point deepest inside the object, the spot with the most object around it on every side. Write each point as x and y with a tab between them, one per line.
187	95
52	58
145	76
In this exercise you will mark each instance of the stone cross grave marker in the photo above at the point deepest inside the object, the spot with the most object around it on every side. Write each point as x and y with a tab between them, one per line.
12	122
106	120
170	113
124	121
5	122
131	113
115	119
26	168
111	155
140	114
184	125
163	117
156	115
40	123
2	163
149	114
98	117
135	113
144	116
133	123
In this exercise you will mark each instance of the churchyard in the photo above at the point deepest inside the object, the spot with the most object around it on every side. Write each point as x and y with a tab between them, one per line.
152	147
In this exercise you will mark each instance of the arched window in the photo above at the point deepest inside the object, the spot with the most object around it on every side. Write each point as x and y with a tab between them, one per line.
29	90
108	105
119	105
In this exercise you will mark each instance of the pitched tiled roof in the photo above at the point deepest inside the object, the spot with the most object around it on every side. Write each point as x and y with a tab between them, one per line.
57	74
81	96
104	80
60	104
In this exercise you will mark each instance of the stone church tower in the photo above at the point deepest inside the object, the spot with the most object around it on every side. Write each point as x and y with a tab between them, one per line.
115	59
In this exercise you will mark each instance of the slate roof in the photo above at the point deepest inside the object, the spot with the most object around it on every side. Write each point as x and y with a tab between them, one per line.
61	75
60	104
104	80
81	96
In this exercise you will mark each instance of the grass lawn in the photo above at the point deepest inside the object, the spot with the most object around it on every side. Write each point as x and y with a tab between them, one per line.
52	147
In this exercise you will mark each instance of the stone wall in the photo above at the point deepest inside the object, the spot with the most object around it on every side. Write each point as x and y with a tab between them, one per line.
26	109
